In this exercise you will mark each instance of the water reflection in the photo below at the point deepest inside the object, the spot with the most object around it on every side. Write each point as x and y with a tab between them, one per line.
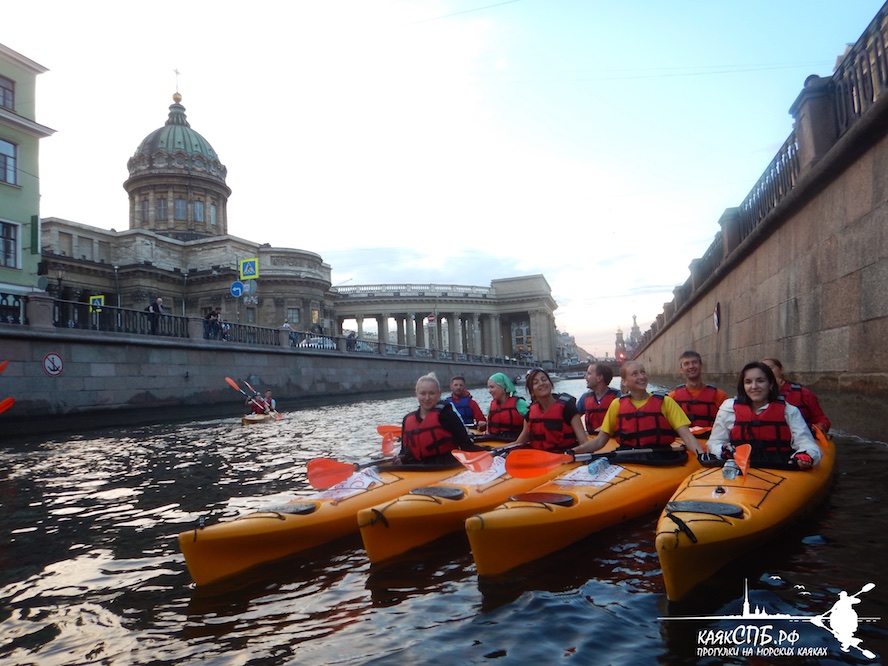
90	570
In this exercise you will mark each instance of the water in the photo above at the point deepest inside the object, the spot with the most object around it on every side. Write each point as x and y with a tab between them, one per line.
91	573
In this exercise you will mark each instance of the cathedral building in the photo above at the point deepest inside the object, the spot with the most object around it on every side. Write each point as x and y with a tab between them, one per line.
177	245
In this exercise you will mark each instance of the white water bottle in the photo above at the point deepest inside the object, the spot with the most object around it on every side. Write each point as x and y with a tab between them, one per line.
597	466
730	470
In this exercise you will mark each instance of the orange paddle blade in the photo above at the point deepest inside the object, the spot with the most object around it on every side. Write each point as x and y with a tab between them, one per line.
324	472
528	463
741	457
388	443
233	384
387	429
3	365
474	461
6	404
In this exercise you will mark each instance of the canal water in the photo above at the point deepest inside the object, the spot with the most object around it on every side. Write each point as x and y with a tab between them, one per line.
91	573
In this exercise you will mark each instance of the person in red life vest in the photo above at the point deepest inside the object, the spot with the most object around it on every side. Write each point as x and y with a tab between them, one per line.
507	411
642	420
464	404
552	422
593	403
758	416
700	401
429	434
799	396
262	405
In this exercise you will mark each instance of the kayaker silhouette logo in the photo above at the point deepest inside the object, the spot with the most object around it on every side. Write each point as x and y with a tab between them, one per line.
841	620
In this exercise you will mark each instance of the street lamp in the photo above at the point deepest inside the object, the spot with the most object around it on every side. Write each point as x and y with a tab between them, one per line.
59	272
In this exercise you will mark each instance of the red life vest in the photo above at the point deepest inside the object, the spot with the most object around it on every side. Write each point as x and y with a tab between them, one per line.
548	431
793	394
701	409
644	427
767	431
427	438
505	418
594	411
260	406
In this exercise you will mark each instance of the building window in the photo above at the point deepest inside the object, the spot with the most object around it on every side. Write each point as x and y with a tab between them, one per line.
198	211
7	93
213	214
145	209
7	162
180	210
9	255
293	315
161	210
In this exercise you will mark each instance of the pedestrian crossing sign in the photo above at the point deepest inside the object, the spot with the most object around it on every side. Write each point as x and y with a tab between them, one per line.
249	268
96	303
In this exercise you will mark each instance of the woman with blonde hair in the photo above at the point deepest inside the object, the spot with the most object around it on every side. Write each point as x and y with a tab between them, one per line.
430	433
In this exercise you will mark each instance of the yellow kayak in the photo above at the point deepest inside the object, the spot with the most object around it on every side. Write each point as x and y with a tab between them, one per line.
710	520
252	419
571	506
224	549
428	513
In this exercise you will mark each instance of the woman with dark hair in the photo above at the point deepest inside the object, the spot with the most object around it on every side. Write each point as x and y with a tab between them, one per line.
798	395
553	422
757	416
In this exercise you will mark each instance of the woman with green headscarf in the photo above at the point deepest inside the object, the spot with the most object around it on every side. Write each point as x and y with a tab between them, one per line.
507	411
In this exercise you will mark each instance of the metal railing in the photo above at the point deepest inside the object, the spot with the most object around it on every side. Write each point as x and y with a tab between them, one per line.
76	315
862	75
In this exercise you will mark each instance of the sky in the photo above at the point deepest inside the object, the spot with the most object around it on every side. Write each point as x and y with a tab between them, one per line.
444	141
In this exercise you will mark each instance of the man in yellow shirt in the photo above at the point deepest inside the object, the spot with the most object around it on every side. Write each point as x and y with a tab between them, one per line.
642	420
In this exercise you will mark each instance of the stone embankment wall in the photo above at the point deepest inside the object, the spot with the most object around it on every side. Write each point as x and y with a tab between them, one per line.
809	286
109	378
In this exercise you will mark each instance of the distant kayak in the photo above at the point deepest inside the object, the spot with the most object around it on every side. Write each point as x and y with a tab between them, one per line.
253	419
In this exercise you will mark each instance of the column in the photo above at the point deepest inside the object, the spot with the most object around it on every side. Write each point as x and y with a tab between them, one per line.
454	330
419	325
382	323
475	335
496	335
360	321
411	329
399	323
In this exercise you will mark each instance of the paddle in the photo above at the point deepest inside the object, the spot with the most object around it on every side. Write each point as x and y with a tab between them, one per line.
741	457
480	461
528	463
324	472
389	429
6	404
3	366
388	444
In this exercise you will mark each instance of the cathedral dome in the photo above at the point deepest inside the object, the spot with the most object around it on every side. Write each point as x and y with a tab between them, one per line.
176	149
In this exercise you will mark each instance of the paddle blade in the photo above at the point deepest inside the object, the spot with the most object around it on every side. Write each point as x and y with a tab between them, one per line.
3	366
6	404
324	472
252	390
474	461
741	457
388	444
387	429
528	463
233	384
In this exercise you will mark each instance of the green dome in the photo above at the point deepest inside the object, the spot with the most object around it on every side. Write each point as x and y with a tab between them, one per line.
176	149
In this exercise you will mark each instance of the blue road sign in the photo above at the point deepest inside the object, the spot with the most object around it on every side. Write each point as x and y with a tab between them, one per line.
237	288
